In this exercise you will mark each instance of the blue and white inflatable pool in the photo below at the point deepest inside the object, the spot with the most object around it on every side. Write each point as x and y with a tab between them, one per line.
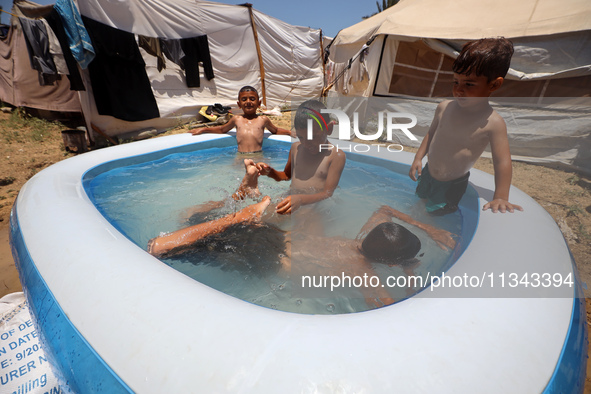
509	319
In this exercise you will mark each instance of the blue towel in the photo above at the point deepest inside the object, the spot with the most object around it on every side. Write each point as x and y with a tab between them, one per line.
78	37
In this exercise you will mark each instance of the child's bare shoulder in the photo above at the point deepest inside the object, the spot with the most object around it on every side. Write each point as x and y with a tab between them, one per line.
338	155
442	106
496	123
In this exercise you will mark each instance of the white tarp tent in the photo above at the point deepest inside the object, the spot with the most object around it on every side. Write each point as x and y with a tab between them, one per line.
247	47
290	55
415	42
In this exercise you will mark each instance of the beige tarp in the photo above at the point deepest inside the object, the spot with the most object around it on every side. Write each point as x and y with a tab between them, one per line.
471	19
19	83
552	40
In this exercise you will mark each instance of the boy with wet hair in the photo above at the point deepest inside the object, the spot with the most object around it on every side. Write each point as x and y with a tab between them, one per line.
250	126
462	128
386	242
313	169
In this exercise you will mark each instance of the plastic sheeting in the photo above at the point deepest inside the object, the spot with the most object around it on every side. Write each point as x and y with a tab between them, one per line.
19	83
554	131
24	367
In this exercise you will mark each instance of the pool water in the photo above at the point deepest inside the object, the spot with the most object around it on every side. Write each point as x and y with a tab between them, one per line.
151	198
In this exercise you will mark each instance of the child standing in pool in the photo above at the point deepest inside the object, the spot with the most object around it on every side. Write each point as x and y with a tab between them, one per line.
462	128
250	126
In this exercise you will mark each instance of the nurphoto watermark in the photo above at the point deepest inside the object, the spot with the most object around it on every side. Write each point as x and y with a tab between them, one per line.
387	124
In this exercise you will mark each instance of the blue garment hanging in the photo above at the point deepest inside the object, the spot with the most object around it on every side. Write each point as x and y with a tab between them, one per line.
78	38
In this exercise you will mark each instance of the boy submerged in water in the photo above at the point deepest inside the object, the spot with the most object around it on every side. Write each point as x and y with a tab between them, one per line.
379	241
463	127
250	127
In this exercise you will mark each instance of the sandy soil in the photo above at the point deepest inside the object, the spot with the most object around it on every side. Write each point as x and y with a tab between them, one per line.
565	195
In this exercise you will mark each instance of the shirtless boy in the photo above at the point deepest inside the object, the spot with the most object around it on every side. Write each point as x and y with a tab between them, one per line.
250	127
314	172
462	128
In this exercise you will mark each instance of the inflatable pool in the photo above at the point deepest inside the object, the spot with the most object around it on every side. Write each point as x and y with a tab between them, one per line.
506	317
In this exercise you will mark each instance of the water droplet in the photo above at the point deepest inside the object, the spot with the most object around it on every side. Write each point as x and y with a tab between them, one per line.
330	307
298	302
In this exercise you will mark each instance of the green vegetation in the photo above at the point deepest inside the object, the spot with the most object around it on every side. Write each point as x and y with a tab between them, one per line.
381	7
22	127
386	4
574	210
573	180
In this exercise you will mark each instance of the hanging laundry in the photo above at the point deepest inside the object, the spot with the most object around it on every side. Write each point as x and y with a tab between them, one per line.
359	76
55	22
171	48
118	76
38	47
196	50
55	50
187	53
78	38
152	46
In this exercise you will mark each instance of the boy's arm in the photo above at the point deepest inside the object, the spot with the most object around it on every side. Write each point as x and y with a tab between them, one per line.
443	238
293	202
417	164
222	129
285	175
501	155
274	129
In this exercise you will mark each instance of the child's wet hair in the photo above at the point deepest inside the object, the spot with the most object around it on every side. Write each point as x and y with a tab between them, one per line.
489	57
248	88
390	242
307	110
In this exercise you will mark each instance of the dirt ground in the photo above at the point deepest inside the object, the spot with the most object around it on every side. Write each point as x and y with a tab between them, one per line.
26	150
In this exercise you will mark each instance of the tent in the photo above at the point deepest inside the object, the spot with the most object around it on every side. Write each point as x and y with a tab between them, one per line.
246	47
407	51
19	83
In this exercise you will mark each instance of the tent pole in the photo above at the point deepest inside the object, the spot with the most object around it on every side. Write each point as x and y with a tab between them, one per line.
375	84
261	65
324	81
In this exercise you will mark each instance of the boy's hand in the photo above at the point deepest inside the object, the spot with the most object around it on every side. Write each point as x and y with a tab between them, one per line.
415	168
289	205
443	238
499	204
264	168
198	131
